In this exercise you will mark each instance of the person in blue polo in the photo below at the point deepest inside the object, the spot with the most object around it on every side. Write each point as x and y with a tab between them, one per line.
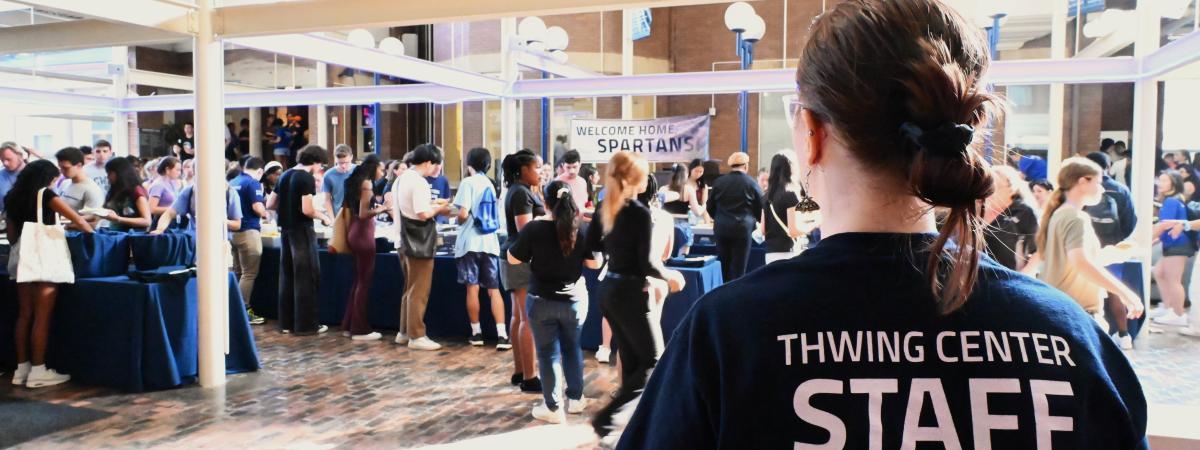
886	334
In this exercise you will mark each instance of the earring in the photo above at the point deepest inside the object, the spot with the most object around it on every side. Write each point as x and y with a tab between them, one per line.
810	133
807	204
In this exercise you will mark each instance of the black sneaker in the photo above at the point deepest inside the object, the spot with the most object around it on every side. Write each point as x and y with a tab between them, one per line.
516	379
531	385
476	340
503	344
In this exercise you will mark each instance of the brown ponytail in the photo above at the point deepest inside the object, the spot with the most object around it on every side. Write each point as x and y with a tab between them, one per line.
1072	171
899	81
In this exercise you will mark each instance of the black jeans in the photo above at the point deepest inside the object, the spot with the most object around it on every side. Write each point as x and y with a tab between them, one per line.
733	250
299	278
626	306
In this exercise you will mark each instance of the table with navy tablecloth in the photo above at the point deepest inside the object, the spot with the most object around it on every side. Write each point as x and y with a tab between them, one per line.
699	281
131	335
446	314
704	245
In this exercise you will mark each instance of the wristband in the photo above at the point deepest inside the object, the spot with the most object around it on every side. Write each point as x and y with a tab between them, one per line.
1187	226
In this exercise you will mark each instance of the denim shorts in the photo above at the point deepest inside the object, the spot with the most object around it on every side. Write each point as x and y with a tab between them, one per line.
478	268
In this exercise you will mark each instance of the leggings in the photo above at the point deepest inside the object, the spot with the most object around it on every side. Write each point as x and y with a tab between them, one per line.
626	305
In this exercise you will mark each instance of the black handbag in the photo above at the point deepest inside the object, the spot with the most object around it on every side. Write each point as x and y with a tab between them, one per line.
418	238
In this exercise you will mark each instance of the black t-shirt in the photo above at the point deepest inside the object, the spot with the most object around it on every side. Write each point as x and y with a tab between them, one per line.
293	185
518	200
843	347
628	243
18	213
186	143
1015	227
243	142
555	276
776	233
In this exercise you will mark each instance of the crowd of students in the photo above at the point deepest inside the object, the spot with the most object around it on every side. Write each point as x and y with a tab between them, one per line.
907	209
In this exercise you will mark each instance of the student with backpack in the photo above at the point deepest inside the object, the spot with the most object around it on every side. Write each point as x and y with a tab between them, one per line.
477	249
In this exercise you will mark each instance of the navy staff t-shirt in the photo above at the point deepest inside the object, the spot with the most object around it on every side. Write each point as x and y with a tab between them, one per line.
841	347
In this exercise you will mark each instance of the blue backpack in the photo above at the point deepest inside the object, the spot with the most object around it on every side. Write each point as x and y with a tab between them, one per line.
487	220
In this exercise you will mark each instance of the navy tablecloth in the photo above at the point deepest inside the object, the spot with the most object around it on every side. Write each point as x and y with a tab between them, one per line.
704	245
446	315
132	336
700	280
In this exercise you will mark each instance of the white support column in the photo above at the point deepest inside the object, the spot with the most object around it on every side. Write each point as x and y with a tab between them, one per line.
1145	138
627	59
1058	92
256	132
509	113
119	68
211	244
319	126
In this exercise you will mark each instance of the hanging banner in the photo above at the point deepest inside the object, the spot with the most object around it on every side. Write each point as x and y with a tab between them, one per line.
666	139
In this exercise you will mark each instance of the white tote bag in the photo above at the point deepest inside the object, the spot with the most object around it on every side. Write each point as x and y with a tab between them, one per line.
44	256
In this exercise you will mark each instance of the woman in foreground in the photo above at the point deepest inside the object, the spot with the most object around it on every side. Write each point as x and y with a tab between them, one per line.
886	334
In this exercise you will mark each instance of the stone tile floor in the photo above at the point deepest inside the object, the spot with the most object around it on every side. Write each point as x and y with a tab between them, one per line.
329	392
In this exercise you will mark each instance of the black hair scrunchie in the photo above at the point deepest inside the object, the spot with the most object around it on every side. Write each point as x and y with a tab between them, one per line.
949	139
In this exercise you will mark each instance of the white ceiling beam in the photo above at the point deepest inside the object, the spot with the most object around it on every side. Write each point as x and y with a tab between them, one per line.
340	52
1179	53
545	64
164	15
303	16
77	34
56	75
178	82
360	95
57	98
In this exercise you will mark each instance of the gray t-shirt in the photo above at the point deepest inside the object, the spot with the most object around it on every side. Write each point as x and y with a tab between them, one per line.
98	175
84	194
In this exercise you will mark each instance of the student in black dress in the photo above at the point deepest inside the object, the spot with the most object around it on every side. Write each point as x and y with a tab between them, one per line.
558	299
781	226
622	230
1012	224
36	300
885	334
735	204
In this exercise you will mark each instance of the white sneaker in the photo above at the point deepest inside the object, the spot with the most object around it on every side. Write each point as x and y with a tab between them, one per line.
346	334
576	406
322	329
1158	312
423	343
1125	342
1171	319
22	374
401	339
40	376
372	336
603	354
1189	331
541	412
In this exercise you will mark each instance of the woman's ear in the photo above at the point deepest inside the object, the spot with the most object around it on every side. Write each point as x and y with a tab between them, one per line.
816	136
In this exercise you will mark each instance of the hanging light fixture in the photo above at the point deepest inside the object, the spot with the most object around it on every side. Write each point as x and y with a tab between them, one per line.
391	46
359	37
